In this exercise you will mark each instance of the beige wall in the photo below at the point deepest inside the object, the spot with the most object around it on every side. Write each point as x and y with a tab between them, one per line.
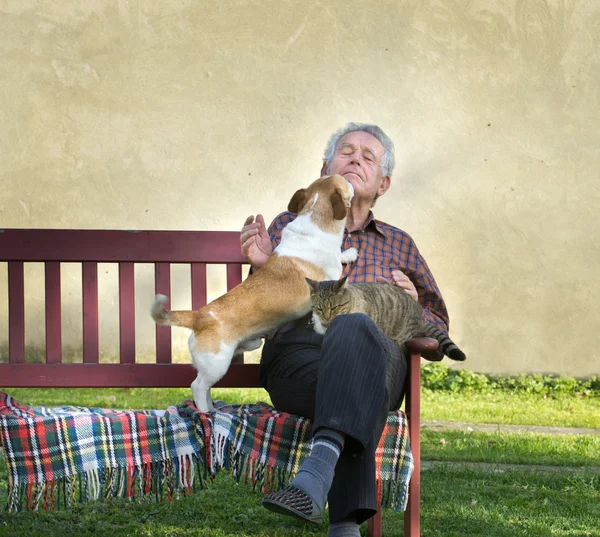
191	115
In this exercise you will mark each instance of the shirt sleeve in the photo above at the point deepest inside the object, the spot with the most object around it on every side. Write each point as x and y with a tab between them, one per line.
276	227
430	297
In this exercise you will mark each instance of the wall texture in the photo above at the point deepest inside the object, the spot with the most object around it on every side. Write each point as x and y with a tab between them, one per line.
191	115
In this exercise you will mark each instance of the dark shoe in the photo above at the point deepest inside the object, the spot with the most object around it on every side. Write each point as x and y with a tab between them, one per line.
292	501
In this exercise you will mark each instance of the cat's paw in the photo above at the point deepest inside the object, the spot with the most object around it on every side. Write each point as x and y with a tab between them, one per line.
349	256
317	324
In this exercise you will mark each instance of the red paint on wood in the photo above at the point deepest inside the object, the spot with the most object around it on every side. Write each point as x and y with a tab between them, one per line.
234	275
118	376
126	313
412	516
16	313
198	275
374	525
118	246
53	313
162	285
89	280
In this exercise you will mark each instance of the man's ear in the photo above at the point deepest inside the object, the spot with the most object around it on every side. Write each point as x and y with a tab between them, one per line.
298	201
341	283
340	208
324	169
312	284
386	182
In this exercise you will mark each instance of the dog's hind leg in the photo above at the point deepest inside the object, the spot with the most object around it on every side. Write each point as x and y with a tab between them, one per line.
201	394
211	368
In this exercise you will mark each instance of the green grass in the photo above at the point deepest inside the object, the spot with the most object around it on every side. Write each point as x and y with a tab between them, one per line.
128	398
511	448
456	502
472	407
518	409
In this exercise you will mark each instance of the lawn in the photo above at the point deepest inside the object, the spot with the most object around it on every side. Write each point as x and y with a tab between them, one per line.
495	407
504	407
456	501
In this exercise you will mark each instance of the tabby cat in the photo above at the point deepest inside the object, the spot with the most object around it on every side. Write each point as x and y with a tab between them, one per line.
391	308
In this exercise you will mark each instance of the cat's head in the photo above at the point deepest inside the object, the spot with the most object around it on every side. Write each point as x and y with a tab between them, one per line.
328	299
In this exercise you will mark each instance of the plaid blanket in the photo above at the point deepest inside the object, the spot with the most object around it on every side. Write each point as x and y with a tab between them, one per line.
59	456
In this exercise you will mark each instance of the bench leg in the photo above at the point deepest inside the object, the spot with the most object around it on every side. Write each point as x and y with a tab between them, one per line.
375	525
412	515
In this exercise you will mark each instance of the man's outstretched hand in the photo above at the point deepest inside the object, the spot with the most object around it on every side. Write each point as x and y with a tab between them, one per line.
255	241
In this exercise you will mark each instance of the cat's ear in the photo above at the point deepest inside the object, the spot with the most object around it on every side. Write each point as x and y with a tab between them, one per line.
298	201
312	284
341	283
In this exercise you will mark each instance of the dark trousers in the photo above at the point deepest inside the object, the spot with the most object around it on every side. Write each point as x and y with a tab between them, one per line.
348	380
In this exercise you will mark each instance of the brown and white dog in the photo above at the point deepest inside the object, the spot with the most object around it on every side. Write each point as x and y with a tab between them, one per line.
274	295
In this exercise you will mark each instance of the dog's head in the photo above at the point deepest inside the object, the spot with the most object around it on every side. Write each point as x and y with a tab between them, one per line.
328	198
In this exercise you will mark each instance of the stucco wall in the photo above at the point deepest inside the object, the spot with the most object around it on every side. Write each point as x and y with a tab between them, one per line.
191	115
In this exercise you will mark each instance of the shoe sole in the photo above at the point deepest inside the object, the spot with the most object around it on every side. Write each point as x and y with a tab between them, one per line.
283	509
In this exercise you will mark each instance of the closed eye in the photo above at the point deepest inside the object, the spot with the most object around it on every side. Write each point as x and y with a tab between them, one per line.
341	306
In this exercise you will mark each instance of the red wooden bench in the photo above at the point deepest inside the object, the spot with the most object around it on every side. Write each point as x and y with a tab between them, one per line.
125	248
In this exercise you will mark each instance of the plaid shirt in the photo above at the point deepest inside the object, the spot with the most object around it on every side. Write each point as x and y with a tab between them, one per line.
381	249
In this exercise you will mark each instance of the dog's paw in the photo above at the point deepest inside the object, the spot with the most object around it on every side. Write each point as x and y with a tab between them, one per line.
349	256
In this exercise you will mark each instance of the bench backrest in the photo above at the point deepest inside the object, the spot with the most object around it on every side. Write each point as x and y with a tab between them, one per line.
125	248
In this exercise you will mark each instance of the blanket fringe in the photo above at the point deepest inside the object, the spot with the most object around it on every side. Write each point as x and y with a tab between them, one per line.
247	440
152	482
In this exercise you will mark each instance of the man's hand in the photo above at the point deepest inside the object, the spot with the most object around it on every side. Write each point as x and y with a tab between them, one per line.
401	280
255	241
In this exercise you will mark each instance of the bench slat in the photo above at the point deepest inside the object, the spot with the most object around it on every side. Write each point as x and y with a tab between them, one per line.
198	277
118	376
16	313
89	280
162	285
76	245
127	313
234	276
53	312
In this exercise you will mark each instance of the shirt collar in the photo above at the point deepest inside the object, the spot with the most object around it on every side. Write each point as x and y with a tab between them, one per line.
371	223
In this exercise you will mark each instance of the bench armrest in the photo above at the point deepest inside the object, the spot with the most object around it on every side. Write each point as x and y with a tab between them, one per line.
421	344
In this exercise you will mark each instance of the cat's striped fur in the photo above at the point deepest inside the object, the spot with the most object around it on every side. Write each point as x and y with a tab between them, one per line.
391	308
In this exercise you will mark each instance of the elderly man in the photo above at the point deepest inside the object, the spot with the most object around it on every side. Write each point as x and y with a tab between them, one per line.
338	380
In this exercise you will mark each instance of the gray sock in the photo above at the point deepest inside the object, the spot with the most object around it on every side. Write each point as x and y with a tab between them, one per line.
344	528
316	473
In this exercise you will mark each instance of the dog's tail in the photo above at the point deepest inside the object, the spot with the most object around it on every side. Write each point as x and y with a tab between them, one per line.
161	315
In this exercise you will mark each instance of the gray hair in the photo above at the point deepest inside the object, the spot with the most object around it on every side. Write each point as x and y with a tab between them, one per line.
388	160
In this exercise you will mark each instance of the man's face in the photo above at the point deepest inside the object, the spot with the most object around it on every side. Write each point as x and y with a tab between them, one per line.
358	158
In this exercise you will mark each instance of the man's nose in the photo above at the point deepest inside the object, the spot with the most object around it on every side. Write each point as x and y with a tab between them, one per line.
355	157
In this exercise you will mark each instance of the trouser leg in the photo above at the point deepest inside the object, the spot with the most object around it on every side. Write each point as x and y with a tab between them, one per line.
347	381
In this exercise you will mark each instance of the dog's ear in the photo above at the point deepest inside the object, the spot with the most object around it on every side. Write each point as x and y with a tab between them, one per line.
312	284
341	283
340	209
298	201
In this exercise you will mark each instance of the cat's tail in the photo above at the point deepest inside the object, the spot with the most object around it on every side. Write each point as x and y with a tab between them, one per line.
447	346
